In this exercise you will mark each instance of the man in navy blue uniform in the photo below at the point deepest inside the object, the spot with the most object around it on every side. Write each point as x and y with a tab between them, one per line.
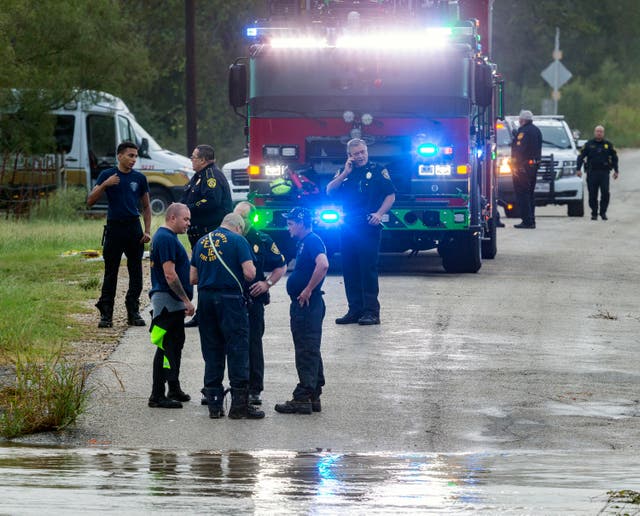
268	259
221	261
307	313
125	189
367	194
170	294
208	197
599	157
526	151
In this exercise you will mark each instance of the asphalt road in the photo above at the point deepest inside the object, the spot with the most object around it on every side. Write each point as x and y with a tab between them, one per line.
537	351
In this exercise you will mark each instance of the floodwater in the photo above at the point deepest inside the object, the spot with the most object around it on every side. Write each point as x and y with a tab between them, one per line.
57	480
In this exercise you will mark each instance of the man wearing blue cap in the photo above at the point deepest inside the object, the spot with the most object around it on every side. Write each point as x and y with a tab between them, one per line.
307	313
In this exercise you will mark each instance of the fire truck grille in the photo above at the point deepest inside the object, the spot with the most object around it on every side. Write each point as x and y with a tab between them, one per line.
240	177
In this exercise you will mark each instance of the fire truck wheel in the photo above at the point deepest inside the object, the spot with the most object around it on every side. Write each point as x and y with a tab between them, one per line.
490	240
462	253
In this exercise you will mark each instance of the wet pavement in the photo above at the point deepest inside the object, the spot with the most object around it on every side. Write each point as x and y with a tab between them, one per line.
97	480
514	390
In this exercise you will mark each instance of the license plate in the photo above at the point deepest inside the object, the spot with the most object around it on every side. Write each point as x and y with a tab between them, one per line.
543	187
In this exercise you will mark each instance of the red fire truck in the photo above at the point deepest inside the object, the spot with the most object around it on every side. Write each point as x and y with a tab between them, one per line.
411	78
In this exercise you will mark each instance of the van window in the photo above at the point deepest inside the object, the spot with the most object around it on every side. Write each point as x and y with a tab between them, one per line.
101	139
126	131
65	125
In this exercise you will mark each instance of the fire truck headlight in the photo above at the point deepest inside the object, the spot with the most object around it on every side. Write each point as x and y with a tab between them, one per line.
271	151
274	170
443	170
289	152
348	116
505	166
366	119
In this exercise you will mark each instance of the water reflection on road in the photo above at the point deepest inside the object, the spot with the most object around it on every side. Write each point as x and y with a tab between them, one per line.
36	480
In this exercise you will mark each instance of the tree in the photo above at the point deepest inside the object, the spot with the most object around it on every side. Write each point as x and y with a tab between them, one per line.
49	49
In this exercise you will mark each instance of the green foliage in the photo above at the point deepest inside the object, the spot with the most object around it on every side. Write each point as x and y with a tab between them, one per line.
61	205
49	48
47	395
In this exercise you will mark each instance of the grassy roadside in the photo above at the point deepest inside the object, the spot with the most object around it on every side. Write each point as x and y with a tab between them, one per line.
47	293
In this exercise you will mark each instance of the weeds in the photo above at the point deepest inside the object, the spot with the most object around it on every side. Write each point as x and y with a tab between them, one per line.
623	502
604	314
90	284
49	394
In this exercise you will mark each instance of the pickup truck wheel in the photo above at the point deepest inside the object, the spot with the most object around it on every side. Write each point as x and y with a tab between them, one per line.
575	209
160	200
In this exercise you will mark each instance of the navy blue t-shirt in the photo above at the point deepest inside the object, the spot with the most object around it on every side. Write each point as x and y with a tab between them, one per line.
308	250
165	247
234	250
124	198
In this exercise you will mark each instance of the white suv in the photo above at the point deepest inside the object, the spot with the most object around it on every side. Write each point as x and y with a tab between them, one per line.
238	178
557	182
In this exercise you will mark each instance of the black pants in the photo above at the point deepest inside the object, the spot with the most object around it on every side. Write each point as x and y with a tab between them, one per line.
119	238
360	249
598	180
256	352
524	186
166	362
306	329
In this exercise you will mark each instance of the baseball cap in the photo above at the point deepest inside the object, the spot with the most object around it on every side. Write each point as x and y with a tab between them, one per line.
299	214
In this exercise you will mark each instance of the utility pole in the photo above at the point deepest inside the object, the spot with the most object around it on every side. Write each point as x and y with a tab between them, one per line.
190	75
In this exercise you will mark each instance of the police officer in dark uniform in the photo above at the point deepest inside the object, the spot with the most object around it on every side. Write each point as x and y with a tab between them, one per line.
221	261
208	197
307	312
125	189
268	258
599	157
367	194
526	151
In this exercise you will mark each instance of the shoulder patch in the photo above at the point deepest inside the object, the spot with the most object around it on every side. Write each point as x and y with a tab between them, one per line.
211	182
274	249
385	173
256	248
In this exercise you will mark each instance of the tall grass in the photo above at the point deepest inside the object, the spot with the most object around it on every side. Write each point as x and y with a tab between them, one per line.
48	394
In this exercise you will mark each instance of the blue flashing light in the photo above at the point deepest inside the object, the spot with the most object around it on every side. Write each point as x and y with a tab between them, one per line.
479	153
329	216
427	150
252	32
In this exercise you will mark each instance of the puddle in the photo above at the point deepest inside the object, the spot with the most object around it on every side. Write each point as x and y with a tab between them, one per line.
36	480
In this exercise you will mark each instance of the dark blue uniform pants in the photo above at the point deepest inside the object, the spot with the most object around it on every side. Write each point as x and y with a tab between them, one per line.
256	353
224	336
306	329
360	248
598	180
524	185
119	238
173	343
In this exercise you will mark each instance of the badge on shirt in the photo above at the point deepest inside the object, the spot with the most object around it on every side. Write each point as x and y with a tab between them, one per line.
134	186
520	136
211	182
368	175
385	174
606	145
256	248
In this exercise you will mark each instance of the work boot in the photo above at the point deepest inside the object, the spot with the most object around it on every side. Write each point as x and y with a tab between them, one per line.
106	314
176	393
348	318
316	406
215	401
254	399
163	402
240	408
301	406
133	314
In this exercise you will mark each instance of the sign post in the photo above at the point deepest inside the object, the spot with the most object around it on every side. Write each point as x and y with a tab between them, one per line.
556	74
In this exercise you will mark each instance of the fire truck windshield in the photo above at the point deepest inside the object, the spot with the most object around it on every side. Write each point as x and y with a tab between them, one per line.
325	82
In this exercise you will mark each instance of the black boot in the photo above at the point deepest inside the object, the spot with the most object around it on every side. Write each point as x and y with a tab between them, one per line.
133	314
176	393
240	408
215	401
106	314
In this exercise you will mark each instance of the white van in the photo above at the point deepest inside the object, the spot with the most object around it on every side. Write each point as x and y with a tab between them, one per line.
88	131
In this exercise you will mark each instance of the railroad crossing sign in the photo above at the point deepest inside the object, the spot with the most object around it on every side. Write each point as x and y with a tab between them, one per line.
556	74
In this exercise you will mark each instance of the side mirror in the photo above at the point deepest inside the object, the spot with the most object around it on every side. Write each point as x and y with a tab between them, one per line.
144	148
483	85
238	85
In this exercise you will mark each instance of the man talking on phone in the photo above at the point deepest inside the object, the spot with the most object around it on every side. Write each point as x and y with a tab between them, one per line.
367	194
